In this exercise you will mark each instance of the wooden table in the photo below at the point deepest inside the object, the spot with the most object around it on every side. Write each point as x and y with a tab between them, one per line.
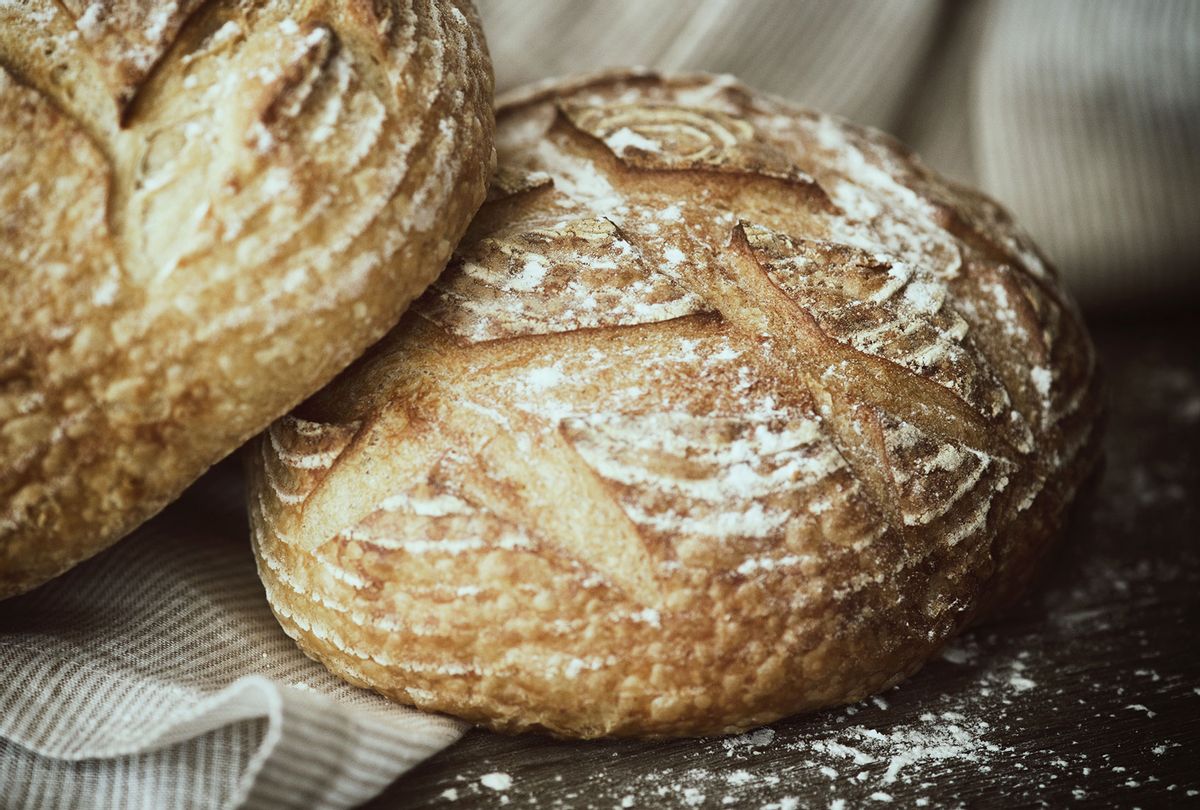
1087	693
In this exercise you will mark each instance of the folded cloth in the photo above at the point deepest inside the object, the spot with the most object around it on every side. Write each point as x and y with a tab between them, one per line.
155	676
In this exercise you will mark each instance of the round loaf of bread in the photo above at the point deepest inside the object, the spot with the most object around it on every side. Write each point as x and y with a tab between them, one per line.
724	410
207	210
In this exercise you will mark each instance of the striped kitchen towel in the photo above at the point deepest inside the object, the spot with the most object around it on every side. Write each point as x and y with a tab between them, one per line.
1081	116
155	676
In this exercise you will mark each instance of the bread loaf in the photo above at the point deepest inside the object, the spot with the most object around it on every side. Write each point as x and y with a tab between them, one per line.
207	211
724	410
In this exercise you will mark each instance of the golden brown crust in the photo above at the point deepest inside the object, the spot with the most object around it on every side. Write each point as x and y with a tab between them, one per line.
207	211
724	410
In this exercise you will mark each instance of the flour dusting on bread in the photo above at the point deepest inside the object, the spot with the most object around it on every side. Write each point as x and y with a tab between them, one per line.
207	210
744	377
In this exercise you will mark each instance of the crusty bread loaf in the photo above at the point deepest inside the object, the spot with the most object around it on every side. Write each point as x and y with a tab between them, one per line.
207	211
724	410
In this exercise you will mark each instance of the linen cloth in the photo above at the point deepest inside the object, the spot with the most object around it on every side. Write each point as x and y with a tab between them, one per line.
154	676
1081	116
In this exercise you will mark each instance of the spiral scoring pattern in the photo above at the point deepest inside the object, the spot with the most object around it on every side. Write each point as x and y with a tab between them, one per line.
744	412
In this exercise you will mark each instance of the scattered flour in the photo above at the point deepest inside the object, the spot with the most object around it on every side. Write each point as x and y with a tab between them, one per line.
751	739
496	781
876	752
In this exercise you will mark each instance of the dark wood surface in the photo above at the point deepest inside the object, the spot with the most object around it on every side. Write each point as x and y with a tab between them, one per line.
1085	694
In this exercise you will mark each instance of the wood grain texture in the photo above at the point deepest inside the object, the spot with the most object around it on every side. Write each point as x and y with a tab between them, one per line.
206	211
724	410
1083	694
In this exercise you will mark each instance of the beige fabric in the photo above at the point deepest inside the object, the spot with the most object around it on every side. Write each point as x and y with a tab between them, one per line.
155	676
1082	116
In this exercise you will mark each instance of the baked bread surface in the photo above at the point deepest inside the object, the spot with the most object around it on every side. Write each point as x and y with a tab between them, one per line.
207	211
724	410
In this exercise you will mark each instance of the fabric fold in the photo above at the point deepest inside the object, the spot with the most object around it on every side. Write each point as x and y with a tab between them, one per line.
155	675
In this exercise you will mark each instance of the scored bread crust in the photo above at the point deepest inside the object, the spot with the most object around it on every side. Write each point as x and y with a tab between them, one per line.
724	410
206	211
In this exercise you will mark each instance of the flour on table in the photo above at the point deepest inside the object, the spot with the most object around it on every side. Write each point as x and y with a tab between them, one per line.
496	781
